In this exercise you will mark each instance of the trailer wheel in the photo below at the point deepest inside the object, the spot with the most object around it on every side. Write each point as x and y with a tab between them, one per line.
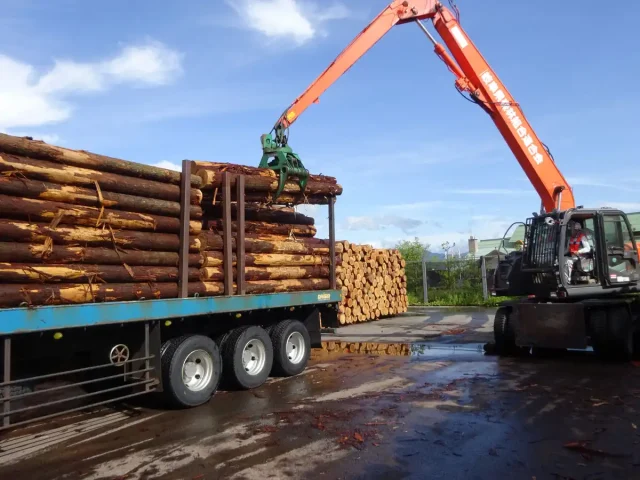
291	347
503	333
191	369
600	333
247	357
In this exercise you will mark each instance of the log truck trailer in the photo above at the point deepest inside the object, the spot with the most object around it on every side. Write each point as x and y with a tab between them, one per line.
592	307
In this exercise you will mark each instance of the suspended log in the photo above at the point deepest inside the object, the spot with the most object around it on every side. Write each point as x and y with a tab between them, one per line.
267	273
259	183
63	213
212	241
21	187
24	167
32	273
261	214
267	198
216	259
80	158
264	228
14	295
17	231
245	170
59	254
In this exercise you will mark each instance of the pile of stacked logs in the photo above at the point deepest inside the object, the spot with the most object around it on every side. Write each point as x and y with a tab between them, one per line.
373	282
331	348
77	227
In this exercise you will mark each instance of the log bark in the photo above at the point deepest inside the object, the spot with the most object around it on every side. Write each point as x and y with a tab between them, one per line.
259	183
109	182
21	187
245	170
27	253
264	228
260	214
267	273
17	231
212	241
279	286
14	295
63	213
33	273
267	198
80	158
216	259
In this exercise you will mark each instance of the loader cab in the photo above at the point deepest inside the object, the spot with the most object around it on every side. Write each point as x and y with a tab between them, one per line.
573	254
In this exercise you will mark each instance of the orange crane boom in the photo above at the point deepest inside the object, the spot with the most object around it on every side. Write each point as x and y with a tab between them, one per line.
473	76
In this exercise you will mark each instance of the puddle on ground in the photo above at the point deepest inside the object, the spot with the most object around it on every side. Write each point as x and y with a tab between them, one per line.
416	350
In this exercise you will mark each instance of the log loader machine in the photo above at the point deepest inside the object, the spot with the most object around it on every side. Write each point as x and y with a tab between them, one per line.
594	305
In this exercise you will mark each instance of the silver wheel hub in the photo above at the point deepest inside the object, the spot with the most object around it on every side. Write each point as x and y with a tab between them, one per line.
296	349
119	355
254	356
197	370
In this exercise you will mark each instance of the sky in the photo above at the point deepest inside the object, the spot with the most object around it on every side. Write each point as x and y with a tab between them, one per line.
160	81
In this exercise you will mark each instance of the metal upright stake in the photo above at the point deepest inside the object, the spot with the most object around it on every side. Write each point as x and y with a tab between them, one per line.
226	230
185	217
485	288
240	260
332	243
6	404
425	282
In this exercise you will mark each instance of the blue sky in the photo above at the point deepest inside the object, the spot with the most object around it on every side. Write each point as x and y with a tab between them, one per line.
159	81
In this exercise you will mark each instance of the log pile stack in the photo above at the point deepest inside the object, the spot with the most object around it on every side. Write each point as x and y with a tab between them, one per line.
373	282
336	348
77	227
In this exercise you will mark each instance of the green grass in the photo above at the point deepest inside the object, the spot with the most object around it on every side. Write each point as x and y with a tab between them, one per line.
455	298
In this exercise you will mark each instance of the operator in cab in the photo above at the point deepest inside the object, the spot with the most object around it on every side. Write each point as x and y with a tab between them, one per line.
580	247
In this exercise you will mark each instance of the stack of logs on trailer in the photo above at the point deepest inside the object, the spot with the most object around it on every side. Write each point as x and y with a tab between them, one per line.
77	227
373	283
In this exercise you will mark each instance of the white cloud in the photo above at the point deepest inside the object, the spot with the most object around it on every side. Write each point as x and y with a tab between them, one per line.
168	165
29	99
407	225
287	19
150	64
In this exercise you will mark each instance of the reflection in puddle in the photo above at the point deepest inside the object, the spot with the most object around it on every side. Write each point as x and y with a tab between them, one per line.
417	350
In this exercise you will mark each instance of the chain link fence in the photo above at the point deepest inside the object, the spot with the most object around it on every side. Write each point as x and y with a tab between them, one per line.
455	281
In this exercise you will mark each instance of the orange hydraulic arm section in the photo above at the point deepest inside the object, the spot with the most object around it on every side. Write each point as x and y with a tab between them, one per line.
473	75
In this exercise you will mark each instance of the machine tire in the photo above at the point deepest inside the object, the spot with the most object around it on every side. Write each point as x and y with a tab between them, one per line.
600	333
503	333
291	348
204	355
621	333
256	344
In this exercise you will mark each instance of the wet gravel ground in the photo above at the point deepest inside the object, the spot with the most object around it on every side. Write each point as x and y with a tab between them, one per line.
446	410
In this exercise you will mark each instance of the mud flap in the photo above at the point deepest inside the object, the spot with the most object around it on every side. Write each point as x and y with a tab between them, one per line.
550	325
312	322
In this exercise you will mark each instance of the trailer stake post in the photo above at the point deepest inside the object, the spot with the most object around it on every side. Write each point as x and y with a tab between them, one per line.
226	231
240	259
185	217
332	242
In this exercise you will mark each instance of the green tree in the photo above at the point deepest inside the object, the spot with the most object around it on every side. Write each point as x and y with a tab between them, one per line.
412	250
